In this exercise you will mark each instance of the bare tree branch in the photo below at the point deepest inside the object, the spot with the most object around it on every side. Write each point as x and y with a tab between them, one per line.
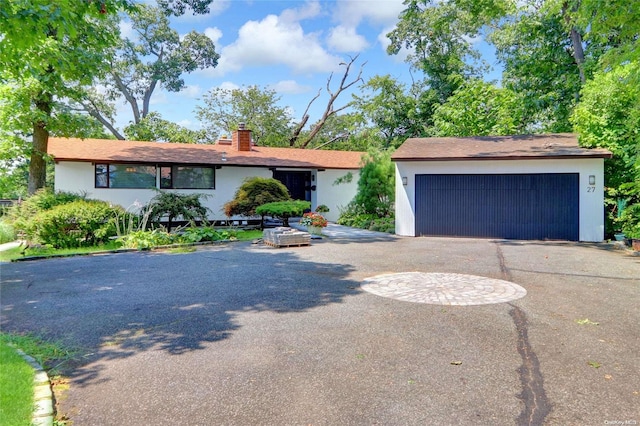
303	122
92	109
334	139
128	96
329	110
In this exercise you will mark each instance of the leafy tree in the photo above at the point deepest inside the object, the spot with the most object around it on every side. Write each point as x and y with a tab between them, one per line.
373	206
224	109
608	116
479	108
612	23
179	7
376	185
537	52
255	192
154	128
158	56
439	36
47	49
396	112
172	206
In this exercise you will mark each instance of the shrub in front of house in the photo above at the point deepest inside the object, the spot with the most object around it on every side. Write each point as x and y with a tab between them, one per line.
355	216
630	221
383	224
80	223
283	209
20	216
7	233
173	206
144	240
255	192
206	233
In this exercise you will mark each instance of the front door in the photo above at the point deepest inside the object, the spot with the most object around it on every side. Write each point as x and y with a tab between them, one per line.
298	183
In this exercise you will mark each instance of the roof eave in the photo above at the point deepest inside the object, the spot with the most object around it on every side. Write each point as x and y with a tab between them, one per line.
503	158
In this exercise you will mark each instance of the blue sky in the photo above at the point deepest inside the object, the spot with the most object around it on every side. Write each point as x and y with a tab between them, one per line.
288	46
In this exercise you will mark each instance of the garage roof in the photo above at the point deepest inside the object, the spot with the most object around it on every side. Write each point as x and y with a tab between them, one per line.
106	150
558	145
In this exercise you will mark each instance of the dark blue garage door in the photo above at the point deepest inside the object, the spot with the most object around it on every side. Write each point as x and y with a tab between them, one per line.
514	206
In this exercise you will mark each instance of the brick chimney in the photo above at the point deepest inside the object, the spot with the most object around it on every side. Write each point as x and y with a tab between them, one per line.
241	138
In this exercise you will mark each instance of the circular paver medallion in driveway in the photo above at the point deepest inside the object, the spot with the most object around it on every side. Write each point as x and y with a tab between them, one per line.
443	289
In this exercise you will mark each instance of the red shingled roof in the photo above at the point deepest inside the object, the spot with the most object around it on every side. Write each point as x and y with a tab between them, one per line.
559	145
105	150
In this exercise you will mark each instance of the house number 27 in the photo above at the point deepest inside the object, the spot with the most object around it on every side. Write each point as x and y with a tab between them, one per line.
591	189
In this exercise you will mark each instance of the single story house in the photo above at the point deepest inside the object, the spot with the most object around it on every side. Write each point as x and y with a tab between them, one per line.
128	172
530	187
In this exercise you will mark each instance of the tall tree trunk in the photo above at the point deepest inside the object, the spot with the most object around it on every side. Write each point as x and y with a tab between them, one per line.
576	38
38	164
578	52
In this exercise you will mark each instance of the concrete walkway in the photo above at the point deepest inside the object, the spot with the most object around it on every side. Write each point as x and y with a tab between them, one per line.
335	231
10	245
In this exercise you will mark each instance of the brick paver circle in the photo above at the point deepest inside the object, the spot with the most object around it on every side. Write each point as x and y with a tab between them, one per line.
443	288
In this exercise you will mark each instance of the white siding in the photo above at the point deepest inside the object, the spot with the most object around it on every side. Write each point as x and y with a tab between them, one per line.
80	177
591	200
334	196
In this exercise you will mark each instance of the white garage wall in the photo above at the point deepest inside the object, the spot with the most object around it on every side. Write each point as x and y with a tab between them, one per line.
333	196
79	177
591	197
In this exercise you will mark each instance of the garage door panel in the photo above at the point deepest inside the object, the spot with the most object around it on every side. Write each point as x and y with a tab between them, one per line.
515	206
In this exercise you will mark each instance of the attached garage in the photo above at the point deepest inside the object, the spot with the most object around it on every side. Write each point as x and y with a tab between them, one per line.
540	187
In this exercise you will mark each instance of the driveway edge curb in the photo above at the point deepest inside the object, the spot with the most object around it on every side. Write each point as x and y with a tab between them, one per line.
42	395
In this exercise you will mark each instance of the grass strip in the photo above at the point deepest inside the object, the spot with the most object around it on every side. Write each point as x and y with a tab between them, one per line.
20	252
16	375
16	387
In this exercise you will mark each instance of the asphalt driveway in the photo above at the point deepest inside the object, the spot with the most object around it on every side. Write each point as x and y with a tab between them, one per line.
243	334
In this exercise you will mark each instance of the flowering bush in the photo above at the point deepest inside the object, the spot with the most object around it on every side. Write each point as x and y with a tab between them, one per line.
313	219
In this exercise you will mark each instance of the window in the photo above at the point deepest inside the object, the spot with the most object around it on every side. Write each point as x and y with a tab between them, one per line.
186	177
125	176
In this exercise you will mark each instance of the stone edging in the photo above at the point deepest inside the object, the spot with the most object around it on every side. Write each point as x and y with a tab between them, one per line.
42	396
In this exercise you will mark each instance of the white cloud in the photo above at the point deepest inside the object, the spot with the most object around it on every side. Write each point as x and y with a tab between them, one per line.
228	85
159	97
214	33
345	39
350	13
190	124
310	10
474	41
277	40
289	87
190	91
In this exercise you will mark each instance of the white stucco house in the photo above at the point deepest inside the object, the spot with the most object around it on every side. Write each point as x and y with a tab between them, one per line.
128	172
531	187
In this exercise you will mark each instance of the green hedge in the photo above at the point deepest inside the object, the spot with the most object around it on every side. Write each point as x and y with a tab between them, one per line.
76	224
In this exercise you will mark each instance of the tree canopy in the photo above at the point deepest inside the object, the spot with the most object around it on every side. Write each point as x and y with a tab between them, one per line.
225	109
157	56
48	49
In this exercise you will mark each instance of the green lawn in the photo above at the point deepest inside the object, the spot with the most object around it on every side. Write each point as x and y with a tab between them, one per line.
16	376
16	387
17	253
